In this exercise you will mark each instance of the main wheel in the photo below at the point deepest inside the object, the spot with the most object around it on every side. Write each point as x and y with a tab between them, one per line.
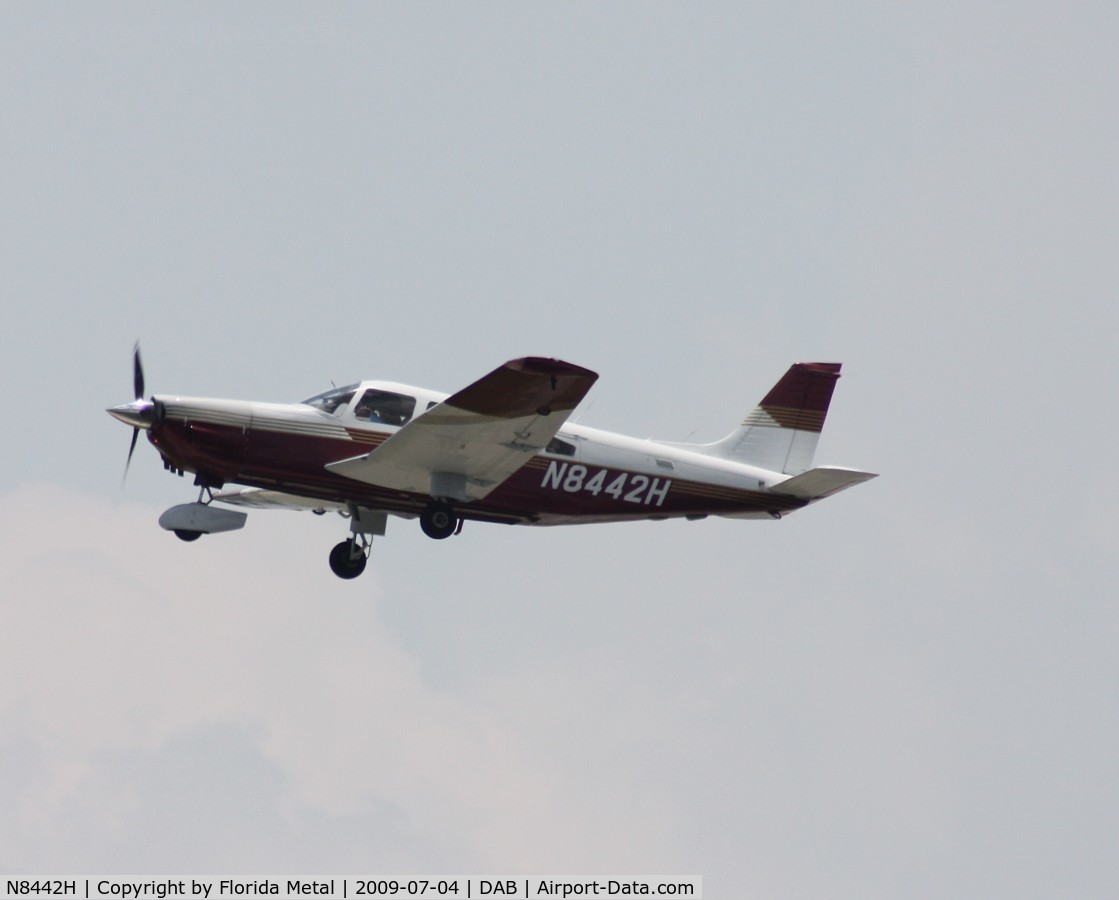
438	520
347	560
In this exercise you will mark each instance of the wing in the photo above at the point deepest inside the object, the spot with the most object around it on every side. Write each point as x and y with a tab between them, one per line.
260	498
471	442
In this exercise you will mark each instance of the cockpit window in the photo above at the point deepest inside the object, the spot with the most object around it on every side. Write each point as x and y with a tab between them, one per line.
385	407
333	401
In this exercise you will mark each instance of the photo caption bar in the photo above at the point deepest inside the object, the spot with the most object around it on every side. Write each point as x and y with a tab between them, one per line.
521	888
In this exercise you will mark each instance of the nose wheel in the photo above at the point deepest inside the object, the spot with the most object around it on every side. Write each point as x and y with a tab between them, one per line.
347	559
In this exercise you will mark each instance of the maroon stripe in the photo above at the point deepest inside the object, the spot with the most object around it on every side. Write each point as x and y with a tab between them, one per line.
802	396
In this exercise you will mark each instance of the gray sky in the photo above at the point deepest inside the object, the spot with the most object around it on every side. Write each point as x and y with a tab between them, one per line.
909	690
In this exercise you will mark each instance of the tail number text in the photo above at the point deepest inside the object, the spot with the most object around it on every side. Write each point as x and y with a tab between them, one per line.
632	488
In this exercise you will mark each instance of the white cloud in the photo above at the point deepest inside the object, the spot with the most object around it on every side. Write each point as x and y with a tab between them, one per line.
123	649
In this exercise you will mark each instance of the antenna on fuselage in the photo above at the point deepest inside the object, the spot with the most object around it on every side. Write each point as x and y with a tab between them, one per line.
575	421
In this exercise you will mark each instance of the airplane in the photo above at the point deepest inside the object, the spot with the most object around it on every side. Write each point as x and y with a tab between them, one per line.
500	450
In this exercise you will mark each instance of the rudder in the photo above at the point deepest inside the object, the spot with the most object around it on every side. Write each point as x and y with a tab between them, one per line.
782	431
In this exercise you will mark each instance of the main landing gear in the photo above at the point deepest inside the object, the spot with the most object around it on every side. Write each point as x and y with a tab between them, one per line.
348	559
439	521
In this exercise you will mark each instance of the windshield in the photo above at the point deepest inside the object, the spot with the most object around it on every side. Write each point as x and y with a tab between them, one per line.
334	400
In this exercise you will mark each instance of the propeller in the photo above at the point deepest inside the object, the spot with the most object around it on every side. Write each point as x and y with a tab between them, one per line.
140	412
137	372
138	388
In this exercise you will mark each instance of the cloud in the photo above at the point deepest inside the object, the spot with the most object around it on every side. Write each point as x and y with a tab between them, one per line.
132	666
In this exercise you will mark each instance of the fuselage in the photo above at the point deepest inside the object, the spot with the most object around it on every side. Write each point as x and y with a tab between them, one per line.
584	475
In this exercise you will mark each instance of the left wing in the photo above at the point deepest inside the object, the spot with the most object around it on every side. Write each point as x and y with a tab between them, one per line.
471	442
262	498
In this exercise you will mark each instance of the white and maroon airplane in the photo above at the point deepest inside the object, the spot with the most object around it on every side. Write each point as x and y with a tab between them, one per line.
499	450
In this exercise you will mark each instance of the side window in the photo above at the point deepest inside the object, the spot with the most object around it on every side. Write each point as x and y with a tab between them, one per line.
385	407
560	447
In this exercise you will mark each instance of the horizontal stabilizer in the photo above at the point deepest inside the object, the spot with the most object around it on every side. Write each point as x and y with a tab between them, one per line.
815	484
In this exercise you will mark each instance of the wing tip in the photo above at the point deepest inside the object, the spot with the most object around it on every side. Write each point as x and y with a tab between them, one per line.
545	365
826	368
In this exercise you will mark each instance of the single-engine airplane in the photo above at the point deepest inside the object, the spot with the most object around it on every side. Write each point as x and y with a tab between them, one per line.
499	450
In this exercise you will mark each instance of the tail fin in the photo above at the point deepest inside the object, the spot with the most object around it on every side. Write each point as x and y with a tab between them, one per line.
782	431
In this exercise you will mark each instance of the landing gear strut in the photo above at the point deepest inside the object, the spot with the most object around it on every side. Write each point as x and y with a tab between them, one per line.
347	559
438	520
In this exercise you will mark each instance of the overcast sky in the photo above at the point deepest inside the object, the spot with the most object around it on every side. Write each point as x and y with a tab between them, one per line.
908	690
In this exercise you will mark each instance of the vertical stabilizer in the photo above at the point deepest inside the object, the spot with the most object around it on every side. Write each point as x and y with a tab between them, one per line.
782	431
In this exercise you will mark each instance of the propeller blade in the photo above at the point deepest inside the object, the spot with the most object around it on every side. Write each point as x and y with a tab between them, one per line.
131	448
133	410
137	377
